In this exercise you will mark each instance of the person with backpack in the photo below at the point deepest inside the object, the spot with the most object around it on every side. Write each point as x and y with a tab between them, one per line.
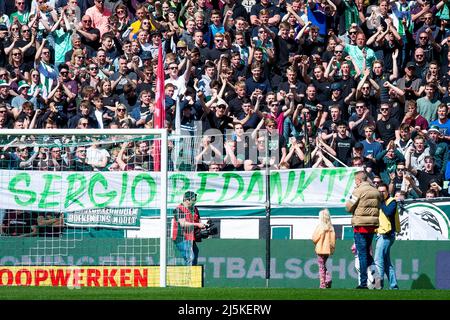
389	224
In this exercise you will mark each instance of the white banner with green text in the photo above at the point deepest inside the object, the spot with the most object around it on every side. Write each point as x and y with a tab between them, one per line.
72	191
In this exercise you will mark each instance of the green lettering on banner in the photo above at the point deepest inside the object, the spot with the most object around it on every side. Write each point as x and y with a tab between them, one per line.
228	176
12	187
331	174
84	190
203	180
350	182
152	189
178	191
123	189
46	193
74	193
276	186
98	177
304	183
255	180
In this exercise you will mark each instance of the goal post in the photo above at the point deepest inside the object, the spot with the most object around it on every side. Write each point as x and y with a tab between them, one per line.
27	162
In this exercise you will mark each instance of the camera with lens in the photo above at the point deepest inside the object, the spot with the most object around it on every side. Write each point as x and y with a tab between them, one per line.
210	230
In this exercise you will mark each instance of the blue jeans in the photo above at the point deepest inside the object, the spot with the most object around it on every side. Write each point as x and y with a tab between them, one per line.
383	259
189	251
363	241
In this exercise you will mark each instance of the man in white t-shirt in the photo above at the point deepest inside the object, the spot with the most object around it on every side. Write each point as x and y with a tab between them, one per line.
96	156
178	81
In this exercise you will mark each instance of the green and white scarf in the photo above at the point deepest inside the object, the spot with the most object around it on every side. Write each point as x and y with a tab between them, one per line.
351	14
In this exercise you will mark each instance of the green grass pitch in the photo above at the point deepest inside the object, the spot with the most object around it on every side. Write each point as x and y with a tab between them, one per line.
64	293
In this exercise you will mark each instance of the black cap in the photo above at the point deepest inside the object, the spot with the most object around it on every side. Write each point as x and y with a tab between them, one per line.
3	27
410	65
336	86
189	195
358	145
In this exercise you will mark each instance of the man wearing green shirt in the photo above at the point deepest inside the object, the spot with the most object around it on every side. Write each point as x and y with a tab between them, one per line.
22	15
362	55
427	106
62	34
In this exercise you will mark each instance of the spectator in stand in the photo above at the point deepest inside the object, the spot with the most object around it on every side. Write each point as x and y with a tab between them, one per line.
431	194
296	153
442	122
179	81
439	147
42	63
387	161
296	72
359	120
84	111
412	118
17	67
360	52
387	127
143	112
365	93
122	118
409	83
371	147
342	144
89	35
104	64
61	33
404	141
99	15
143	156
96	155
426	177
59	160
18	223
27	44
103	114
421	63
273	11
396	178
22	15
50	224
418	152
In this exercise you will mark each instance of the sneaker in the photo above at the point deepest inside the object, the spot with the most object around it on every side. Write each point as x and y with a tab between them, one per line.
370	278
395	288
361	287
378	283
328	284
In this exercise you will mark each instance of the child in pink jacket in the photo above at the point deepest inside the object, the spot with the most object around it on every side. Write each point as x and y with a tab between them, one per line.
324	239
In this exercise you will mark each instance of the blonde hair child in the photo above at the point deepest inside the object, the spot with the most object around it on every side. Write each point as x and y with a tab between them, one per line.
324	239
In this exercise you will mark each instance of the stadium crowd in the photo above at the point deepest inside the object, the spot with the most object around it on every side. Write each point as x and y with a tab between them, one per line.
329	83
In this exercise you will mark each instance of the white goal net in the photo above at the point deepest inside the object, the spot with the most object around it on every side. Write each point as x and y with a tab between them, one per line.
92	203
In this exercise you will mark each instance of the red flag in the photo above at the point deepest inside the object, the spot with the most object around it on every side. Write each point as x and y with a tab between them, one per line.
159	116
160	112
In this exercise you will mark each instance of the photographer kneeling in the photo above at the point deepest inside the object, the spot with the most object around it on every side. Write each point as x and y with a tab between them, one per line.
185	223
